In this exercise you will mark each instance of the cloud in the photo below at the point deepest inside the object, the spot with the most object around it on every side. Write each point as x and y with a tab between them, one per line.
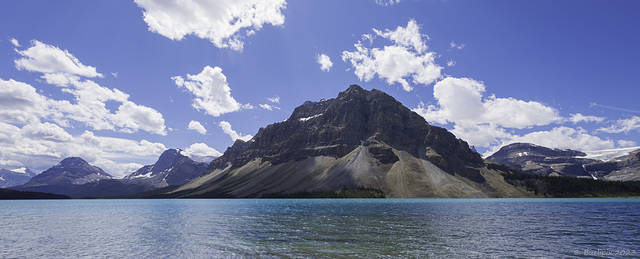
20	103
46	58
623	125
461	101
490	122
220	21
405	61
42	145
275	99
131	117
15	42
269	107
577	118
202	153
324	61
90	107
387	2
195	125
211	92
46	131
561	137
61	68
226	128
453	45
451	63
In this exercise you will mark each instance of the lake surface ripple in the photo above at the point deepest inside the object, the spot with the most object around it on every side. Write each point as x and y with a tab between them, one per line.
321	228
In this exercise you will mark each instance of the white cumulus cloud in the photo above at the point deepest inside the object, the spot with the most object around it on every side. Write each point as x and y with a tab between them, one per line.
195	125
211	92
226	128
201	152
220	21
324	61
46	131
461	100
406	61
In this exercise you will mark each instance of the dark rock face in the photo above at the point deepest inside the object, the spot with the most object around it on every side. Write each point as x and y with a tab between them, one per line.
172	168
9	178
70	171
336	127
231	154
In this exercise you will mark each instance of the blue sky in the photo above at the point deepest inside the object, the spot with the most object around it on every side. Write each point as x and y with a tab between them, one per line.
117	82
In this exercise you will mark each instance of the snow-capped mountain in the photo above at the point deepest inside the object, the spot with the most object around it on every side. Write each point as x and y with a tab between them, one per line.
173	167
15	177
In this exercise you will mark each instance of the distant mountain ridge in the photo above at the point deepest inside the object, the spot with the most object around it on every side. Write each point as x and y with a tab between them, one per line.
71	170
15	177
534	159
361	139
76	178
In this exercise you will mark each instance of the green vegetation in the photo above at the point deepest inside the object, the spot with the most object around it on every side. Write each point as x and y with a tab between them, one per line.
360	192
568	187
6	194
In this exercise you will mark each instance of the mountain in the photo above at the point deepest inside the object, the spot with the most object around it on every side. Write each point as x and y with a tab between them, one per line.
623	168
534	159
64	177
15	177
172	168
361	140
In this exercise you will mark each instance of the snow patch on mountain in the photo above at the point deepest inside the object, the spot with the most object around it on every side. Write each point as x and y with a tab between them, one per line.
309	118
608	154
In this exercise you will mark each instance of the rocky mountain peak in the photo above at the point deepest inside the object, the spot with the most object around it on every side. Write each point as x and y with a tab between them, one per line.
73	162
172	168
336	127
71	170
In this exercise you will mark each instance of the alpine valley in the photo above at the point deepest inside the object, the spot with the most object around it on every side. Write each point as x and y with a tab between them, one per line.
360	144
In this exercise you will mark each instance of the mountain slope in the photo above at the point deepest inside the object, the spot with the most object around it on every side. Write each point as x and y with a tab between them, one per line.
65	177
359	139
71	170
624	168
534	159
20	176
172	168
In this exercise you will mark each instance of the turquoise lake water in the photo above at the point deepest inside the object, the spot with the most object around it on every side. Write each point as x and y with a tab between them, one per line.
320	228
